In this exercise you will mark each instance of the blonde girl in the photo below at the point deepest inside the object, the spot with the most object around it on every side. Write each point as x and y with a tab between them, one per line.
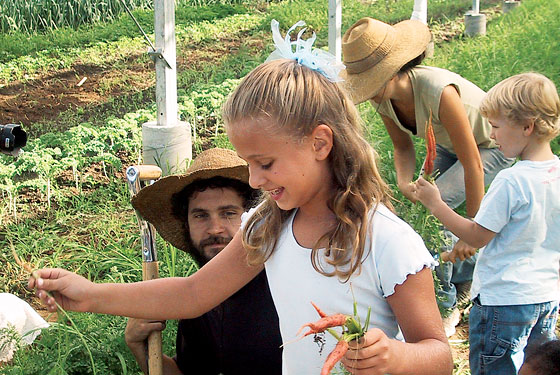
325	224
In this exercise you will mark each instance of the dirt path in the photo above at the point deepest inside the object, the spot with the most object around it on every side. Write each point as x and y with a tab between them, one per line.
46	97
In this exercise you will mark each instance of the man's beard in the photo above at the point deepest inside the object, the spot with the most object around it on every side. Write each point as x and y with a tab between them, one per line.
203	256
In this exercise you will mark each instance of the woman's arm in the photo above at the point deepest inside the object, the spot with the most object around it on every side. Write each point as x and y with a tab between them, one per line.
404	156
426	350
160	299
454	118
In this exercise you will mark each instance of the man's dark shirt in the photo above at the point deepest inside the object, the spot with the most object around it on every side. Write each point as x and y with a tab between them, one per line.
239	337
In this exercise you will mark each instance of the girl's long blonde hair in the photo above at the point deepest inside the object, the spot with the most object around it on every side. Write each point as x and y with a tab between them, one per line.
298	99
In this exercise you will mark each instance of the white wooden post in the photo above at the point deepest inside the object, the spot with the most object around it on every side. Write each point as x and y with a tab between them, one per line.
420	11
476	6
335	25
475	22
166	142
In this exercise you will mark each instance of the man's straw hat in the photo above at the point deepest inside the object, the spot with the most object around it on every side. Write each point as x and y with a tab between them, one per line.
374	52
155	202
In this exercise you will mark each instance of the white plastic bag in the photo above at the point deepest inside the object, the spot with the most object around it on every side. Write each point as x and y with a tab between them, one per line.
17	317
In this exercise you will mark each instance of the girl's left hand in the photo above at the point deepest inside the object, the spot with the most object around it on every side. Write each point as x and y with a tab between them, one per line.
372	354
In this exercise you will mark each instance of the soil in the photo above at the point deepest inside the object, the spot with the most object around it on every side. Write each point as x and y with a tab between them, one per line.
459	345
48	95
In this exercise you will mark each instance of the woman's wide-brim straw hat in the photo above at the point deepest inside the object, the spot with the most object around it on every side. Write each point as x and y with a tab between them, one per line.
155	202
374	52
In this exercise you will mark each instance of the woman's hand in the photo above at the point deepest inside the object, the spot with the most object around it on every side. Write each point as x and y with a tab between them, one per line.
461	251
371	354
67	289
409	191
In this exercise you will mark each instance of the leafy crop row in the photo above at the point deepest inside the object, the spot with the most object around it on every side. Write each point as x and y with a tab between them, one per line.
76	149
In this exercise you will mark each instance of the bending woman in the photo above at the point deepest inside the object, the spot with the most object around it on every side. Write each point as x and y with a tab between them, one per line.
383	67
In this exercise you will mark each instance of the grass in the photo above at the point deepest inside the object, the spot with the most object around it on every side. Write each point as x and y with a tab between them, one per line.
18	16
89	226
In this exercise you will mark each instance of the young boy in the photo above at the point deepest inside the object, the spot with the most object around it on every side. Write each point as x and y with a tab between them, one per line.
515	284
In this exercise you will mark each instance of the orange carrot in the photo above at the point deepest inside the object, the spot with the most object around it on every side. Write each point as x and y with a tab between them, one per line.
319	311
351	330
430	150
322	324
336	355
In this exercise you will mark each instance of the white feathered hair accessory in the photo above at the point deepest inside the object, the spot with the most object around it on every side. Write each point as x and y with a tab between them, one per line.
303	52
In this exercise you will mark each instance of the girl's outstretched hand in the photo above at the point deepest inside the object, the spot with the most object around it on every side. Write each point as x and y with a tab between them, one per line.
372	354
67	289
426	192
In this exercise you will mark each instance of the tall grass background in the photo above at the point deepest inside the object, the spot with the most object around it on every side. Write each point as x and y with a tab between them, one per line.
42	15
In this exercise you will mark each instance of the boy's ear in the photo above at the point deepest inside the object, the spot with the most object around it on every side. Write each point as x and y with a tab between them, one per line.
322	137
529	127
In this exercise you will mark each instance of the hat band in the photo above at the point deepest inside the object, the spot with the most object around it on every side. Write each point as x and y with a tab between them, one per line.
374	58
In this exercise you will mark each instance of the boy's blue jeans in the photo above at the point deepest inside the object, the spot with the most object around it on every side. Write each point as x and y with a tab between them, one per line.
498	335
450	182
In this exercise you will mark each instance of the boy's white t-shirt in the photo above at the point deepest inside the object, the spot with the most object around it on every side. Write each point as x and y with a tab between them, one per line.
520	264
394	251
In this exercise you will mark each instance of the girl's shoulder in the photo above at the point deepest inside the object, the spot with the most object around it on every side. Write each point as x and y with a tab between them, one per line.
386	226
397	250
382	213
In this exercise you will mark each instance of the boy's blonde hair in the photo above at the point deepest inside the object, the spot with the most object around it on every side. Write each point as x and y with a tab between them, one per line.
523	98
297	100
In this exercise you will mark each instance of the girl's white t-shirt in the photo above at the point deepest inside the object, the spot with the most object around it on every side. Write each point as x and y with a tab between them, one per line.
393	251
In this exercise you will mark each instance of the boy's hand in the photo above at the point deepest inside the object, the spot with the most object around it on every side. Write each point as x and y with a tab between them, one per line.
70	291
371	354
426	192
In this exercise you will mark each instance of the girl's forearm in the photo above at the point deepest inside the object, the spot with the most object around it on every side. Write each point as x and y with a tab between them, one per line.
426	357
162	299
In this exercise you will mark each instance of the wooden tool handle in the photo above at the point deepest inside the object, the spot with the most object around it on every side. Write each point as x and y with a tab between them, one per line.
155	362
150	271
148	172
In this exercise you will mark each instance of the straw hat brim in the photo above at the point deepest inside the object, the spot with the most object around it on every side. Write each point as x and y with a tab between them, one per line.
155	202
412	38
